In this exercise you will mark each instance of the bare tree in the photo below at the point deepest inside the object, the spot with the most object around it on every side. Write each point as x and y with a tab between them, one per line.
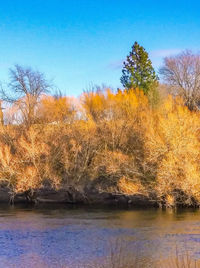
182	72
24	90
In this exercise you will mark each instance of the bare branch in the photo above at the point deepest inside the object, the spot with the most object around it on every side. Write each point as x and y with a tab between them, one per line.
183	73
25	87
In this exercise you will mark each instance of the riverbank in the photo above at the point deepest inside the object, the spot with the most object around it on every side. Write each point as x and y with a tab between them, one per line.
71	195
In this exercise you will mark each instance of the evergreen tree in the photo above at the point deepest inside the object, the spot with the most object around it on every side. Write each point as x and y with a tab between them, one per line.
138	71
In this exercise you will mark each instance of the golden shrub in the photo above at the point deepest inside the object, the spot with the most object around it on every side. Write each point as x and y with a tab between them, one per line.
115	135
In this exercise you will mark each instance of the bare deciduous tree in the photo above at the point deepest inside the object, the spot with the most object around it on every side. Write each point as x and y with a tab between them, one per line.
25	88
182	72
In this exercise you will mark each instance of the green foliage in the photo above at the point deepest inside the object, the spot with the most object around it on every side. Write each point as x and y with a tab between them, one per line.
138	71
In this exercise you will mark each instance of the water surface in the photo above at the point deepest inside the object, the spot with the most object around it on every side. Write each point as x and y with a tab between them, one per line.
66	236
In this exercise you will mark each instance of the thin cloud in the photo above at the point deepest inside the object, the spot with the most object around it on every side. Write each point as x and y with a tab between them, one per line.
157	56
115	65
164	52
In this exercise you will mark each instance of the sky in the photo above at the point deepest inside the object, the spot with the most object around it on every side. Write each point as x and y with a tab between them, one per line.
78	43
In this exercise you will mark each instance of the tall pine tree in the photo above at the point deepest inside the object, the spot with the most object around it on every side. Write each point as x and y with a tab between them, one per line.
138	71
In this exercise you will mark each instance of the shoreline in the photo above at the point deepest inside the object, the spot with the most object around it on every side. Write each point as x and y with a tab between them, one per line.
71	196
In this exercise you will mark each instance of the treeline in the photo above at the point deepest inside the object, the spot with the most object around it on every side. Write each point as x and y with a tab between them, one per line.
122	141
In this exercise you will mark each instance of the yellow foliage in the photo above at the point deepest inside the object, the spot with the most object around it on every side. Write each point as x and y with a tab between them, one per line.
127	186
117	136
109	105
55	109
172	145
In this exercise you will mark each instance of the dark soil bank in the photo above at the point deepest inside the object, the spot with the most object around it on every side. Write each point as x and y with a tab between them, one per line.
72	196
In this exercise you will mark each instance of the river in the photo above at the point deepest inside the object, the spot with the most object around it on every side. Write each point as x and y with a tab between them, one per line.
65	236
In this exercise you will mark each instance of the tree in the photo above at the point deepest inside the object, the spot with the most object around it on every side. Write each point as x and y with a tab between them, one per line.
25	87
182	73
138	71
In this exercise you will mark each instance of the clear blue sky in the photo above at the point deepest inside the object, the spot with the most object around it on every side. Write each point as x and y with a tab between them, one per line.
79	42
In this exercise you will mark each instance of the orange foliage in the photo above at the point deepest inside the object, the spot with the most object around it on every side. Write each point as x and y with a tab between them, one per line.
57	110
172	146
127	186
116	136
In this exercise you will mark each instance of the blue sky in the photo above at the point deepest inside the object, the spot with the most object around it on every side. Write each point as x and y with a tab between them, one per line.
76	43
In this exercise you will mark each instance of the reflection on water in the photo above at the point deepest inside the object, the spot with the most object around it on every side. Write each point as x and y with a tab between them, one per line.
65	236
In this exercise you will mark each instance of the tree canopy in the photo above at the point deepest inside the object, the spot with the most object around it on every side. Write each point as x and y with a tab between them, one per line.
138	71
